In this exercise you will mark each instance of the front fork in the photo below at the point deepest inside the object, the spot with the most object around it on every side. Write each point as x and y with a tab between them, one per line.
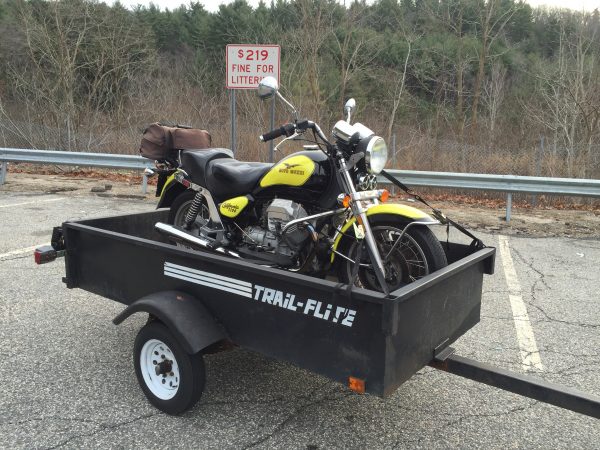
361	213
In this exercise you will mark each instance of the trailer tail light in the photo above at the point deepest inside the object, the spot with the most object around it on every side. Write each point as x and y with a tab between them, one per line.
356	384
44	254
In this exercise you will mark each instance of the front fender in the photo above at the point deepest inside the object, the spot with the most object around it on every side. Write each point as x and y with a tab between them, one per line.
186	317
407	213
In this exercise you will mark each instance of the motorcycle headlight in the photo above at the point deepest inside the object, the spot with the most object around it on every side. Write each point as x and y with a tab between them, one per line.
376	155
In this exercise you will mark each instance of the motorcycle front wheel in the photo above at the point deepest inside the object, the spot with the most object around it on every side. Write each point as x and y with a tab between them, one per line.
416	254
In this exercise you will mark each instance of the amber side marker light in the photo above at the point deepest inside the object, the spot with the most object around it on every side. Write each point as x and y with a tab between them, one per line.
385	194
356	384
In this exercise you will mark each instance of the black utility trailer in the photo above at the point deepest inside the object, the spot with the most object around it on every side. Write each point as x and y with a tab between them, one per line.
200	302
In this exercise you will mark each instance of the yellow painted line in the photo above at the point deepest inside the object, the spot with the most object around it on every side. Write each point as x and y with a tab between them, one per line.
530	355
31	203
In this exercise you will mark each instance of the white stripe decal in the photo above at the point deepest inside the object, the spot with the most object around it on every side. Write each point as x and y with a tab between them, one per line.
203	283
217	278
209	280
329	312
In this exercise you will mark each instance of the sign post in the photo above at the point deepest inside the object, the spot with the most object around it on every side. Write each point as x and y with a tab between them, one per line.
246	65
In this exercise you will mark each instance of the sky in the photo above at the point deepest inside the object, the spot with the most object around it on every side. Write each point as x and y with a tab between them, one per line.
213	5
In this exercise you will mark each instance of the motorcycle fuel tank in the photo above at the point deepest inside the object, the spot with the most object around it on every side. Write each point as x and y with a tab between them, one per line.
305	170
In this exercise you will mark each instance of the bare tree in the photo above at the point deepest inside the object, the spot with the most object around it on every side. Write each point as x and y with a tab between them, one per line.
355	47
568	102
491	22
78	57
494	89
400	83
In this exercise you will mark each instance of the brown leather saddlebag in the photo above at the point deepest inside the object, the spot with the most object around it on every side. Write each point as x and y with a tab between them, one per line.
162	142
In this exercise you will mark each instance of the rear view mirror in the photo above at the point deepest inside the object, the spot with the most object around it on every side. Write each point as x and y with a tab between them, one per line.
267	88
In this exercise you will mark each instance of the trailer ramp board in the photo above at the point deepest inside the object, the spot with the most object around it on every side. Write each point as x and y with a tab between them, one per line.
316	324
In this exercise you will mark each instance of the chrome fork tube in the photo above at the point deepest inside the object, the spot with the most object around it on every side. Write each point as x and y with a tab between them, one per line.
359	211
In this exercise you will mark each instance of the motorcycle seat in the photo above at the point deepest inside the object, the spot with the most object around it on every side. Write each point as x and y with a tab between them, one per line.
195	162
228	177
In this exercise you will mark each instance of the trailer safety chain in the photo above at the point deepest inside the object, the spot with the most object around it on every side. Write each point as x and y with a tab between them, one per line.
439	215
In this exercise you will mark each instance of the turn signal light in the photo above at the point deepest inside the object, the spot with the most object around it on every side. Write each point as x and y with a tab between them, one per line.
346	201
356	384
385	194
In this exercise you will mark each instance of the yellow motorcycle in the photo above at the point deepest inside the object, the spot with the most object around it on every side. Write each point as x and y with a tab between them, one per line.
317	211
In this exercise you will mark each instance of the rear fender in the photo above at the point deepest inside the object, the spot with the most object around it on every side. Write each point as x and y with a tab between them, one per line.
170	192
186	317
406	214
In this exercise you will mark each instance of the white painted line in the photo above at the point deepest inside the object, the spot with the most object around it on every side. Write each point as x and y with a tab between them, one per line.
21	251
530	355
32	203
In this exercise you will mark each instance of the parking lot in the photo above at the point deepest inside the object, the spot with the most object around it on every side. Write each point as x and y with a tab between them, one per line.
68	379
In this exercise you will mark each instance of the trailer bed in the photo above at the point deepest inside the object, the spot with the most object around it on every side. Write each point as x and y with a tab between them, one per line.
316	324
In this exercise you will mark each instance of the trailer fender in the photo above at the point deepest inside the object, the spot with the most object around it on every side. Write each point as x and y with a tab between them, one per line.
404	212
186	317
170	192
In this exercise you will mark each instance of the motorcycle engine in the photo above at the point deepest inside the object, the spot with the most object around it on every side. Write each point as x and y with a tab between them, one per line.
276	216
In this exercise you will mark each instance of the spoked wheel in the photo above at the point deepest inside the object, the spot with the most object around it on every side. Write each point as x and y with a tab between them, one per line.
406	257
171	379
181	206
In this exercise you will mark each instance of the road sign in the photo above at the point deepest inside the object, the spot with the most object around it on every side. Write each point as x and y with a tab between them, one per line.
248	64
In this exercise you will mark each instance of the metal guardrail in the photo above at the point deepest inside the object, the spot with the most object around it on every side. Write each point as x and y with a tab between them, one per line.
131	162
499	183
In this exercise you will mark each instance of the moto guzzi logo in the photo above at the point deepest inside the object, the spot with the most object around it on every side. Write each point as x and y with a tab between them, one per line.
289	168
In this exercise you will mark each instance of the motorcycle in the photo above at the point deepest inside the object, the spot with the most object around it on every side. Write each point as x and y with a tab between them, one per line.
318	211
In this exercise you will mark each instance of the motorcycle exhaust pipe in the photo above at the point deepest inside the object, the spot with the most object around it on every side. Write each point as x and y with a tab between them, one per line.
186	238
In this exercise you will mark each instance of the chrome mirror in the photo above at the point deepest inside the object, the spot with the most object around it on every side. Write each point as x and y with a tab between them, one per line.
349	108
267	88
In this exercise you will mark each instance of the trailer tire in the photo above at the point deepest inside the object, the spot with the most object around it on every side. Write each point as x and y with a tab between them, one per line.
171	379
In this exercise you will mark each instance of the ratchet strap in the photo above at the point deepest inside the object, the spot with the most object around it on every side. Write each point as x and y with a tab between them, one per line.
439	215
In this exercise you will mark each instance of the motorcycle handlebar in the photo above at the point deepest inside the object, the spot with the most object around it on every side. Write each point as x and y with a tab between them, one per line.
286	130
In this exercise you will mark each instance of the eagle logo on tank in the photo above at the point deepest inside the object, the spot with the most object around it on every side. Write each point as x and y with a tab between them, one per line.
295	170
289	168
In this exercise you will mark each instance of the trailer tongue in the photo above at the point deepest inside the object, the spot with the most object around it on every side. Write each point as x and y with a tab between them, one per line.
200	302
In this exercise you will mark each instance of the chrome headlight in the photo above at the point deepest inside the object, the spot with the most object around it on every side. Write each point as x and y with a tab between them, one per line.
376	155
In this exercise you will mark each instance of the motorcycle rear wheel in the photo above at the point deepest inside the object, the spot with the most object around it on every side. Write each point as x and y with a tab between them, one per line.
419	253
181	206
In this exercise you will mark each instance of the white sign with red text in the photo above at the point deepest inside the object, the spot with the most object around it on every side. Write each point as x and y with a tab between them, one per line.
248	64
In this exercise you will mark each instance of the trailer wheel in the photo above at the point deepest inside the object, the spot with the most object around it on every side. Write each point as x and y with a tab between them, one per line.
171	379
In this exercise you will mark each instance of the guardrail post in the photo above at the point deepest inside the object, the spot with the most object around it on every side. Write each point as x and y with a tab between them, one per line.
508	206
3	171
145	184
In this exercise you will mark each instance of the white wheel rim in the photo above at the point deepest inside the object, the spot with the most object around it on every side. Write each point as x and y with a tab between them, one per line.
163	386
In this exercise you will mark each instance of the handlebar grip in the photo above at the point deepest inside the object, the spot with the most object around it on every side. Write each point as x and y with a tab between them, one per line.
286	130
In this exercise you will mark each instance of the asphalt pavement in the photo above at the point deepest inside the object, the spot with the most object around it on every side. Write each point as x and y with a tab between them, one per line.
67	377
